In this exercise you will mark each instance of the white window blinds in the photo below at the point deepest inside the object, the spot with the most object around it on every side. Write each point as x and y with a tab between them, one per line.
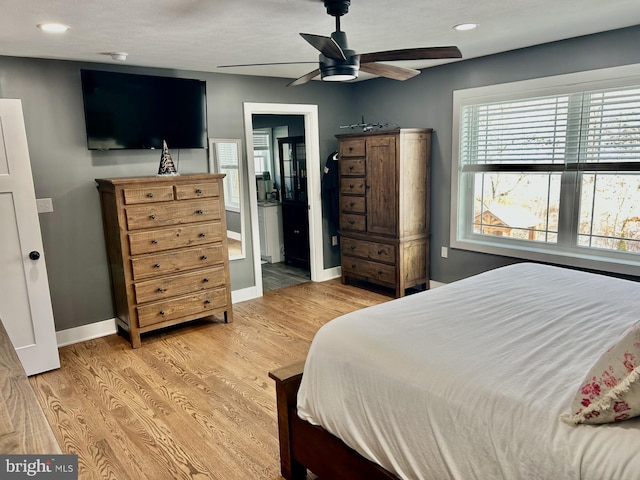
601	126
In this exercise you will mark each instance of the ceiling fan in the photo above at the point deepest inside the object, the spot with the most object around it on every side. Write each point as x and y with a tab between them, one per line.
338	63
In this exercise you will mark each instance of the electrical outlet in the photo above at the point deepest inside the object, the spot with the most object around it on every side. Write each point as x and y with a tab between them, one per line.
44	205
334	240
444	252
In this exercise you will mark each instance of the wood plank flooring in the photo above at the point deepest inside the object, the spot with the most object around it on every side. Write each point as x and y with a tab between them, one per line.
194	402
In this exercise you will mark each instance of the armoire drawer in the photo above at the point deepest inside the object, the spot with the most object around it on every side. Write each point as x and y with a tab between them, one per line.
356	223
146	266
176	285
352	204
174	213
380	252
197	190
352	166
354	186
187	305
148	194
174	237
352	148
368	269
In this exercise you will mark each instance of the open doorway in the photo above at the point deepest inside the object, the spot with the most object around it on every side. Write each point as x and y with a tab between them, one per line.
312	212
279	154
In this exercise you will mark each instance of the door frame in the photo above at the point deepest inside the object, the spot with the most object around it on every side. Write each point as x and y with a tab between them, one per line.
312	146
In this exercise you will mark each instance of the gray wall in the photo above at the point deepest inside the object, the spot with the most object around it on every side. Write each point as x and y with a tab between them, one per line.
426	101
64	169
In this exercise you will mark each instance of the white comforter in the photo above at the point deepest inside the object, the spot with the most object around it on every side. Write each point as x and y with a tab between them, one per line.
468	380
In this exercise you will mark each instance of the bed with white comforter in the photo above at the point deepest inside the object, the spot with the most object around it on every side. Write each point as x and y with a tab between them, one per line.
469	380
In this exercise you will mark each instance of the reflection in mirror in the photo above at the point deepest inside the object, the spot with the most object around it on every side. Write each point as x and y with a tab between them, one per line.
225	157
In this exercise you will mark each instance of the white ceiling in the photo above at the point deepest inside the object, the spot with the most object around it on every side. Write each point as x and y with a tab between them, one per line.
200	35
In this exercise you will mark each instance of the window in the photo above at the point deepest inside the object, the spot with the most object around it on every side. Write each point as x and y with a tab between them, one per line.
550	170
262	151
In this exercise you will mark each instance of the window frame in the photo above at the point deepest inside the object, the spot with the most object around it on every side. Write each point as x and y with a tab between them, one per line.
565	253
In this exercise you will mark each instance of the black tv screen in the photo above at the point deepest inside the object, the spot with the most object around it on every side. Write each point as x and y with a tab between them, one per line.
126	111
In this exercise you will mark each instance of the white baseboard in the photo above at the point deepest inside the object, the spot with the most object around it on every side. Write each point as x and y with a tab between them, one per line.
434	284
244	294
329	274
86	332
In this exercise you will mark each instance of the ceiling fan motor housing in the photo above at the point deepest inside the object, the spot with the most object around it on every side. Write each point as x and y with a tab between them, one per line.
337	68
337	8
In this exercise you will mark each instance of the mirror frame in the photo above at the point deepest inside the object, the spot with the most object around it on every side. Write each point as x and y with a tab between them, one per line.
214	168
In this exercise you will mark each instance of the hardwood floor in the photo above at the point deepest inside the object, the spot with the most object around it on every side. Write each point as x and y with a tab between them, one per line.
194	401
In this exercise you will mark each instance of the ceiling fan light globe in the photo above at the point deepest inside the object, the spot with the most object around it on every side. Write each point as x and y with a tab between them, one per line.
339	77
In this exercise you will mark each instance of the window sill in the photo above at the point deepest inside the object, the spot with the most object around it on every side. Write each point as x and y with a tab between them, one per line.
592	260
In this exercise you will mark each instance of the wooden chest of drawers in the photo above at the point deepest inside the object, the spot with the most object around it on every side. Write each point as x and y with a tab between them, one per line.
384	207
167	250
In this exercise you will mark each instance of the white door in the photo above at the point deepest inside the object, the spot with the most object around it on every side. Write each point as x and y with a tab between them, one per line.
25	304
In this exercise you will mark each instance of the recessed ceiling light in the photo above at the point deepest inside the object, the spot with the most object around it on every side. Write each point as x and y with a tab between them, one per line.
465	26
53	27
119	56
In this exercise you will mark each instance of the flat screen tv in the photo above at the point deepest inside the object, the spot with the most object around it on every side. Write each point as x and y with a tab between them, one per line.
127	111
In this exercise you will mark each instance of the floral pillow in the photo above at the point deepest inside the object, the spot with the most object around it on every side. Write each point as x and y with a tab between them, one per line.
611	389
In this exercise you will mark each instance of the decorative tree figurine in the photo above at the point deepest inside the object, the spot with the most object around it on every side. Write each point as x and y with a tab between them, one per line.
166	164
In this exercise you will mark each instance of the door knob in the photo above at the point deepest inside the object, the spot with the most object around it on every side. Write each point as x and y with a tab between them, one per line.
34	255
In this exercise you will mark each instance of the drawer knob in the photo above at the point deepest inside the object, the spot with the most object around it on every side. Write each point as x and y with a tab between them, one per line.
203	235
199	212
155	242
160	290
351	186
198	191
353	265
350	167
379	272
207	301
203	257
353	247
205	280
161	312
150	195
380	252
157	265
352	204
152	217
351	222
368	186
351	149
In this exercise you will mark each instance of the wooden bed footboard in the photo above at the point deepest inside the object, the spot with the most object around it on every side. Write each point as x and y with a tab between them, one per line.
304	446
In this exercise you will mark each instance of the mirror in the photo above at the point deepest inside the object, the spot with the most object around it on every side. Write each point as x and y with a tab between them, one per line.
225	157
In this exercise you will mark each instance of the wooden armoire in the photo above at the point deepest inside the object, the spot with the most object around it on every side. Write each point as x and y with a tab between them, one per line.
384	207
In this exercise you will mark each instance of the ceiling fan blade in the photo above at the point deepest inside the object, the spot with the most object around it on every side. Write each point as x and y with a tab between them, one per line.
427	53
305	78
389	71
264	64
325	45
